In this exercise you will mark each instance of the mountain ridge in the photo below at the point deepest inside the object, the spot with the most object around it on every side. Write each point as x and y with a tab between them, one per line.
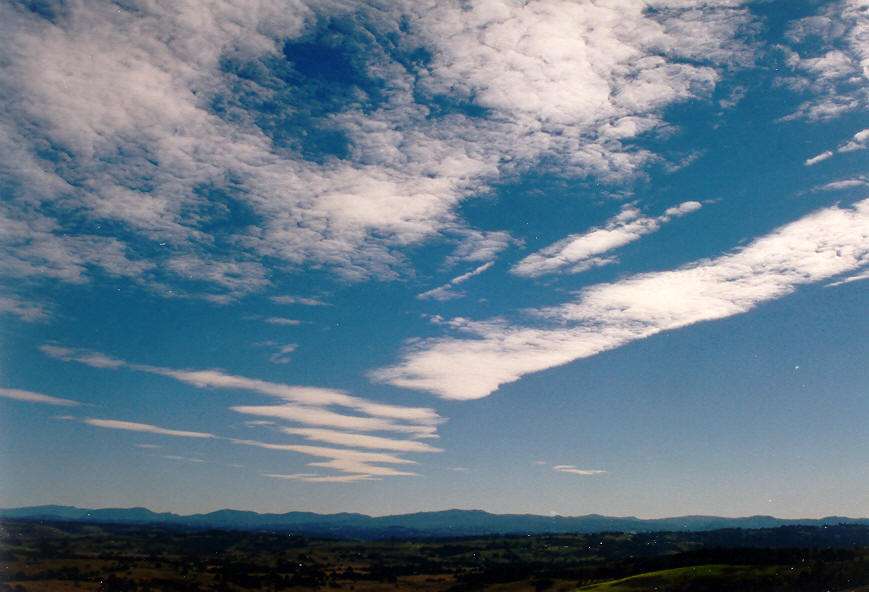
453	522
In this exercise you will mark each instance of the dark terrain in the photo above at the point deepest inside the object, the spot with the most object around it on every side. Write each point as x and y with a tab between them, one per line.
59	556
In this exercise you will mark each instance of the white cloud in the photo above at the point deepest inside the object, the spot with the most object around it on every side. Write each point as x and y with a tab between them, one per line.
123	98
579	252
298	300
854	278
575	471
282	355
360	440
148	446
315	478
860	141
820	157
444	292
341	459
835	75
31	397
819	246
144	427
283	321
317	416
27	311
310	399
476	245
843	184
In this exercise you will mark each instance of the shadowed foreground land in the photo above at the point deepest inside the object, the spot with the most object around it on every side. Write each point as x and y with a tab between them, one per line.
66	556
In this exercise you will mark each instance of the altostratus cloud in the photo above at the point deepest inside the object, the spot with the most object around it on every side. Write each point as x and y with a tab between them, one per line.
579	252
824	244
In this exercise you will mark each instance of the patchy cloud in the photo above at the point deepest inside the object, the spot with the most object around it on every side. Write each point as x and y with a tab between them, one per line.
150	131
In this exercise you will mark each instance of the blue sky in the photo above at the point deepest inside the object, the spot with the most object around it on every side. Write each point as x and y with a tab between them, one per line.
549	257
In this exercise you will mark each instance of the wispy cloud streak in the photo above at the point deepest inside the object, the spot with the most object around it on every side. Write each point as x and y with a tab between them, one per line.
822	245
579	252
31	397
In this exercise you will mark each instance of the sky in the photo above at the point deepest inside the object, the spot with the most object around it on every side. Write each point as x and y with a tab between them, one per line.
539	257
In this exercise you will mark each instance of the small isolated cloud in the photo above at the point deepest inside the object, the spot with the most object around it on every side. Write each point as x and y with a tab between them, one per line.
148	446
460	469
183	458
282	355
575	471
580	252
283	321
315	478
445	293
844	184
144	427
258	423
297	300
31	397
820	157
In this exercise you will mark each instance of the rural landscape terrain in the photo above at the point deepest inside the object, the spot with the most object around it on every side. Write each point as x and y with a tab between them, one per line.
52	555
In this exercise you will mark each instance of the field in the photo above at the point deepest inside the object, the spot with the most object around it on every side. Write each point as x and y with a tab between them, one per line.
66	556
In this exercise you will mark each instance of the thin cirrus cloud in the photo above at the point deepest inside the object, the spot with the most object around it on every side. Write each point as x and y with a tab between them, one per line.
130	426
303	405
575	471
283	321
339	459
360	440
446	292
97	80
579	252
315	478
286	299
309	400
827	243
31	397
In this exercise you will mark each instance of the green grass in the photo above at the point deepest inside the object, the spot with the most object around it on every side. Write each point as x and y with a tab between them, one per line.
692	578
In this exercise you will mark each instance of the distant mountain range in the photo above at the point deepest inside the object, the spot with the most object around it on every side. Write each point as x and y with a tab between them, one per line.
422	524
